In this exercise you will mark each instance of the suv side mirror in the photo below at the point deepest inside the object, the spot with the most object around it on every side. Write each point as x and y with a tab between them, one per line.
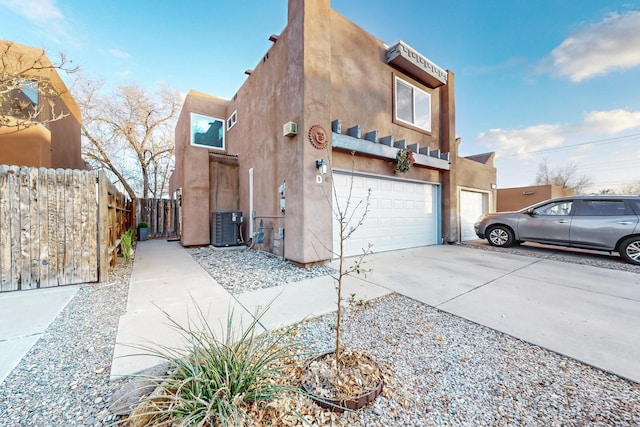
530	211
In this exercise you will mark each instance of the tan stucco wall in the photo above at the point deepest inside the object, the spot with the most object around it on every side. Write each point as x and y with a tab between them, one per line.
59	145
29	147
472	175
291	83
362	86
322	68
362	94
192	169
65	143
513	199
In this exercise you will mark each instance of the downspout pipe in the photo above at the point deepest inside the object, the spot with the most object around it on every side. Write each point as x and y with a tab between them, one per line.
251	213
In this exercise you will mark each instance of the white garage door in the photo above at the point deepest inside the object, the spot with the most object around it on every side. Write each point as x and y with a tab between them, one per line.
472	205
401	214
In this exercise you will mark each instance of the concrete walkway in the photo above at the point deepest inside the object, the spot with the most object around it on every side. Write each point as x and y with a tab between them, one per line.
24	316
167	281
587	313
590	314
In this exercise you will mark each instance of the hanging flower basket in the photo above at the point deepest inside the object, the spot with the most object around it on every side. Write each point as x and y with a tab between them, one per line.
404	160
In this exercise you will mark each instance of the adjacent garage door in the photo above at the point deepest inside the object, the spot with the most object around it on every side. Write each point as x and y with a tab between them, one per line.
402	214
472	205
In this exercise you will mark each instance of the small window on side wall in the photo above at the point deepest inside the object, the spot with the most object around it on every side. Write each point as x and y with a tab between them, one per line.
413	105
231	121
207	131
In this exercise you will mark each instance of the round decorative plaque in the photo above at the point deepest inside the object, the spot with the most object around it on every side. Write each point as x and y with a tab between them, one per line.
318	137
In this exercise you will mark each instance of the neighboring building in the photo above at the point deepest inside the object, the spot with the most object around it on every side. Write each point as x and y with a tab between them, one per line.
326	89
513	199
50	144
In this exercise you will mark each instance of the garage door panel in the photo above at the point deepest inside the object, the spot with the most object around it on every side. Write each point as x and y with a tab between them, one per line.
385	203
384	185
472	205
400	214
384	223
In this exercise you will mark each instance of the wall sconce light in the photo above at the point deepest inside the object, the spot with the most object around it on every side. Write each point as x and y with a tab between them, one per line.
322	166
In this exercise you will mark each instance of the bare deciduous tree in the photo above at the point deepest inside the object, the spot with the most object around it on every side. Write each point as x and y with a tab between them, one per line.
564	177
30	88
129	133
632	187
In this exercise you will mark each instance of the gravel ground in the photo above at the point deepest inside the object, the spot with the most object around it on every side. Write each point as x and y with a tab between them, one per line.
442	370
241	271
449	371
64	379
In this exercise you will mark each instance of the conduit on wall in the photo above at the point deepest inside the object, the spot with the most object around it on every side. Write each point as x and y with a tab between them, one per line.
251	203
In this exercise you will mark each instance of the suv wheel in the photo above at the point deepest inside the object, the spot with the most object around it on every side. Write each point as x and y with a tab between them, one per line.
630	250
502	236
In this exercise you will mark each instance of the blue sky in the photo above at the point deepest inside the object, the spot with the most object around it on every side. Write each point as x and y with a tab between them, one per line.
554	79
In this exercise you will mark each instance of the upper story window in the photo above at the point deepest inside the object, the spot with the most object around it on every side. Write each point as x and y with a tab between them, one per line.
207	131
413	105
232	120
20	99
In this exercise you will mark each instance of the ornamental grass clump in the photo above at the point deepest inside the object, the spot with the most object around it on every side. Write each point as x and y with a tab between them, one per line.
217	382
126	244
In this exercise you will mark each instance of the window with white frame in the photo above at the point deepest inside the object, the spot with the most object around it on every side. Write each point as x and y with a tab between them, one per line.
233	118
207	131
413	105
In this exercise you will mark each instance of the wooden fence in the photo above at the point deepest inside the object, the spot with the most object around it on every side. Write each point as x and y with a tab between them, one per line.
160	216
52	227
115	216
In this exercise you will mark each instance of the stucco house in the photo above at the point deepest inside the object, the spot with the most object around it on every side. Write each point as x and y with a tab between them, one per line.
44	143
328	108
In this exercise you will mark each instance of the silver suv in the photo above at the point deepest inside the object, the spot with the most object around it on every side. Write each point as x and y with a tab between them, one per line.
608	223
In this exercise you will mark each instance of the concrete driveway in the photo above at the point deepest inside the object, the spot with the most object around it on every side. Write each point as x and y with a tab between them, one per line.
590	314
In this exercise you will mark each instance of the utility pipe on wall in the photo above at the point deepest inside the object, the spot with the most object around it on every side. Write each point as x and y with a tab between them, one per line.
251	203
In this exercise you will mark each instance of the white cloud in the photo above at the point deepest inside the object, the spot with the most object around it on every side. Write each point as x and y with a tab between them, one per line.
37	11
597	49
613	121
519	141
119	53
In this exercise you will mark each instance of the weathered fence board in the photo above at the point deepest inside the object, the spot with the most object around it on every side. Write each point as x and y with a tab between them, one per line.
49	227
5	224
160	216
115	216
25	225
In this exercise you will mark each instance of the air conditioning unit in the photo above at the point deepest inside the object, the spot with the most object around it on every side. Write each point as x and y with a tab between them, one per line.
290	129
225	228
